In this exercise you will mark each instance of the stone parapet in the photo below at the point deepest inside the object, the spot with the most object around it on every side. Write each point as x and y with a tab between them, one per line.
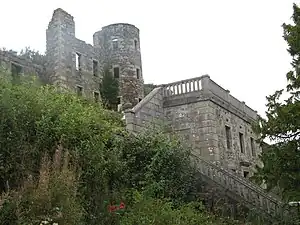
251	194
208	89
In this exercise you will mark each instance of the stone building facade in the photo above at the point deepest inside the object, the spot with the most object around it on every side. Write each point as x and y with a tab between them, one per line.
215	124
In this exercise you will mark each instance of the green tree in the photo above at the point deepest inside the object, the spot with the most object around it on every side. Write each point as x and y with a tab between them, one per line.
282	125
109	90
148	88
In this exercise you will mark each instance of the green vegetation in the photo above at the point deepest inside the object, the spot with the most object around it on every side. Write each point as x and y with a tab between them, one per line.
148	88
109	90
65	160
281	159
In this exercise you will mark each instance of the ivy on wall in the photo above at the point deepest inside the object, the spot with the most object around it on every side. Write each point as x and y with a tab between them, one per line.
109	90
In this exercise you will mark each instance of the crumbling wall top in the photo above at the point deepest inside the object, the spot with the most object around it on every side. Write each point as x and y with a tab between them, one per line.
60	11
120	24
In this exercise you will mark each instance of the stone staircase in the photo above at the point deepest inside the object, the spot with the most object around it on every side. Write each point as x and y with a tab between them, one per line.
243	190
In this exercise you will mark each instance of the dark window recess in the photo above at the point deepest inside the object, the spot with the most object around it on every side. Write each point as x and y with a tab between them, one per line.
228	137
252	147
246	174
15	70
96	96
135	44
241	137
119	100
116	72
115	44
79	90
78	61
95	68
140	99
138	73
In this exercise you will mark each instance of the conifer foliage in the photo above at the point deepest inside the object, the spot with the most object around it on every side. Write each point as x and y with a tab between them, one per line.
282	126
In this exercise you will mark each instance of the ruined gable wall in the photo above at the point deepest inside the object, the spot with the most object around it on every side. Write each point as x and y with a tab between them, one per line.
8	59
62	46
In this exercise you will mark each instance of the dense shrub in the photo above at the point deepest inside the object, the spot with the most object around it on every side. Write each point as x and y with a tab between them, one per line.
162	212
158	163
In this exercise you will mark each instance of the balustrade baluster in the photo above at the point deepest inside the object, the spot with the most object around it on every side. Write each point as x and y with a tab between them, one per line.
188	86
177	86
198	85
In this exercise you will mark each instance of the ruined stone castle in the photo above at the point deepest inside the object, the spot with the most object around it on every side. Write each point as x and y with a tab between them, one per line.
214	123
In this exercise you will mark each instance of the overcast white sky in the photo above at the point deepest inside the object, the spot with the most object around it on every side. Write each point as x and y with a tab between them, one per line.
238	43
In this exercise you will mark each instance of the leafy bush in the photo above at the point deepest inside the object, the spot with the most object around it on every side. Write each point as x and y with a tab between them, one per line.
158	163
162	212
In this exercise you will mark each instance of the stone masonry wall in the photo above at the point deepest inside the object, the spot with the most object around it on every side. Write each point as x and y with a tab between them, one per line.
9	59
148	112
231	155
196	124
63	48
200	117
75	65
120	44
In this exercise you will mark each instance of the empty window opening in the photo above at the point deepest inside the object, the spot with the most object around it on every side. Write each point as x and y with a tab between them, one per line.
79	90
135	44
138	73
252	146
95	68
242	147
228	137
140	99
15	70
78	61
246	174
115	44
96	96
116	72
119	100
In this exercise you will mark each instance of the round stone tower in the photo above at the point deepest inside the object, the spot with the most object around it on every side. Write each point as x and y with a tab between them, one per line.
121	55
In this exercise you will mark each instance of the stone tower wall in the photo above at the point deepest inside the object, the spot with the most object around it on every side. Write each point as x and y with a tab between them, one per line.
62	50
120	44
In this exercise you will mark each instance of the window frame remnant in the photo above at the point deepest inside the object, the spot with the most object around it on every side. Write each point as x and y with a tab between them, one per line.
95	68
228	136
253	153
78	61
115	44
116	72
79	90
242	142
96	96
135	42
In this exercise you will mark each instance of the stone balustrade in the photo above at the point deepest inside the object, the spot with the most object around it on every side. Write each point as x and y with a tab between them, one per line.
252	195
182	87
